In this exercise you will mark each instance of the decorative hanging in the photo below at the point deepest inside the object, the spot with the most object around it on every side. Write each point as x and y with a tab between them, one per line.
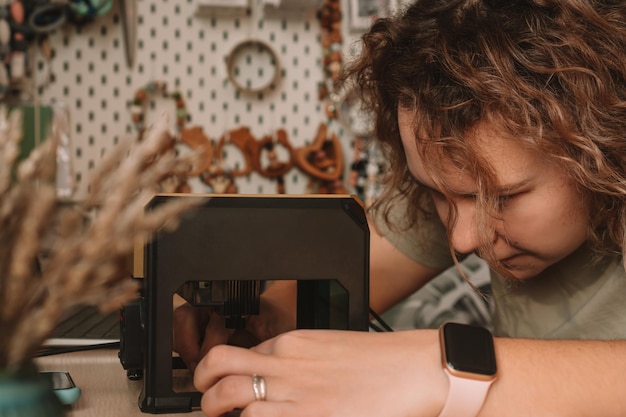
172	182
342	103
243	140
365	170
195	138
220	180
275	168
358	169
323	162
142	97
218	176
253	66
329	16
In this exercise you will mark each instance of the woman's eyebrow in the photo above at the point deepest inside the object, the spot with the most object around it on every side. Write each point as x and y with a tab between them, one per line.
513	187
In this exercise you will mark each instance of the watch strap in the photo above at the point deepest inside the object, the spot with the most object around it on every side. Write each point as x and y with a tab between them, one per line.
465	396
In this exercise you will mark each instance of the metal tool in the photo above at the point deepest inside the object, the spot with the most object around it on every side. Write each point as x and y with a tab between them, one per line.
128	12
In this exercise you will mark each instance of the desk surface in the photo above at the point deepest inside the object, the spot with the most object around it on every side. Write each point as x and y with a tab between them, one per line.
105	389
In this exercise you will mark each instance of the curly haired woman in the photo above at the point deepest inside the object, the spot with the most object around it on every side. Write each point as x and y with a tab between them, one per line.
504	126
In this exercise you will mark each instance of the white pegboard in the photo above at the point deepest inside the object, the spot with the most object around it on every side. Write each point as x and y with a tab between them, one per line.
188	52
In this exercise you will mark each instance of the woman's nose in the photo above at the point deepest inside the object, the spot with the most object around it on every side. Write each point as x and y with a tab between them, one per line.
464	235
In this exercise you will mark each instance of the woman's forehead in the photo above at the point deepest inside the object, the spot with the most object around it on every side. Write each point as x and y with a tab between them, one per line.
509	160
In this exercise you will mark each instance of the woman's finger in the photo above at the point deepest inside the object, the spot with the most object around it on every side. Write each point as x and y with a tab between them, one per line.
269	409
238	391
227	394
224	360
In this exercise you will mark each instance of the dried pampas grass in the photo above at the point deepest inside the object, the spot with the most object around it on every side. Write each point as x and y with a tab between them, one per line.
86	262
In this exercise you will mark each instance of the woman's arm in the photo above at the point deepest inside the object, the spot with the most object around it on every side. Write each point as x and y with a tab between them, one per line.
334	373
393	275
558	378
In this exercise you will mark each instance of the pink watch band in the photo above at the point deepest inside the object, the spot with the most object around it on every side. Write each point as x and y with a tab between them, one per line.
465	396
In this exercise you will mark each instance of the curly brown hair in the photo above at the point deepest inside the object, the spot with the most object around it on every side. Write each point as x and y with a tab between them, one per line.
552	73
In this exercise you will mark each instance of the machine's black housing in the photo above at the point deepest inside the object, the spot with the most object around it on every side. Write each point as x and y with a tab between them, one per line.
311	239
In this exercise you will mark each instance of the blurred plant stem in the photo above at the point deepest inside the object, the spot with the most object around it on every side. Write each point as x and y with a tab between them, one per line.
86	263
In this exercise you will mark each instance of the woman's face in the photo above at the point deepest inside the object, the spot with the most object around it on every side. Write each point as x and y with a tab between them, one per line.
543	217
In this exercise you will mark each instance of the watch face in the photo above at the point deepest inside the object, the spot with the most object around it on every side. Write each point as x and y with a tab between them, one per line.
469	349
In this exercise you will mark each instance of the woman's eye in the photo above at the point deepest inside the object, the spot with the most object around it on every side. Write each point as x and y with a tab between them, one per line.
504	198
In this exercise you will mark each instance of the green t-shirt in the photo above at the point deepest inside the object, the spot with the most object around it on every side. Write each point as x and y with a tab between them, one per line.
573	299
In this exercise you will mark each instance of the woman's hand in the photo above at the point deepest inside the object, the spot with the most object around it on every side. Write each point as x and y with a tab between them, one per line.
197	329
326	373
278	311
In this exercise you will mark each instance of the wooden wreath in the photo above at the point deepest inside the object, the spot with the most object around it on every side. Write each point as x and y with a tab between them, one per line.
322	160
244	53
244	141
140	101
275	168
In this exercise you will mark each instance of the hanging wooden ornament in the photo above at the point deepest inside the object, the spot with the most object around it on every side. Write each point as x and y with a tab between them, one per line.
268	145
173	183
220	180
195	138
243	140
323	159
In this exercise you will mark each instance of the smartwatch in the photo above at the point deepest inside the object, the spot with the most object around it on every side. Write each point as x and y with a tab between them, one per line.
469	360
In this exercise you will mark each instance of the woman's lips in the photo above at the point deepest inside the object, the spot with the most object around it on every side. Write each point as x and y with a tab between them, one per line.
509	261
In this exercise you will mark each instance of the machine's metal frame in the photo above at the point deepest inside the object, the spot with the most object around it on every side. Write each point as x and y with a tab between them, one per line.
311	239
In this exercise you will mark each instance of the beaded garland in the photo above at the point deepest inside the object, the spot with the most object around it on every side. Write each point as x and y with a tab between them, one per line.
322	161
140	100
329	16
173	181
